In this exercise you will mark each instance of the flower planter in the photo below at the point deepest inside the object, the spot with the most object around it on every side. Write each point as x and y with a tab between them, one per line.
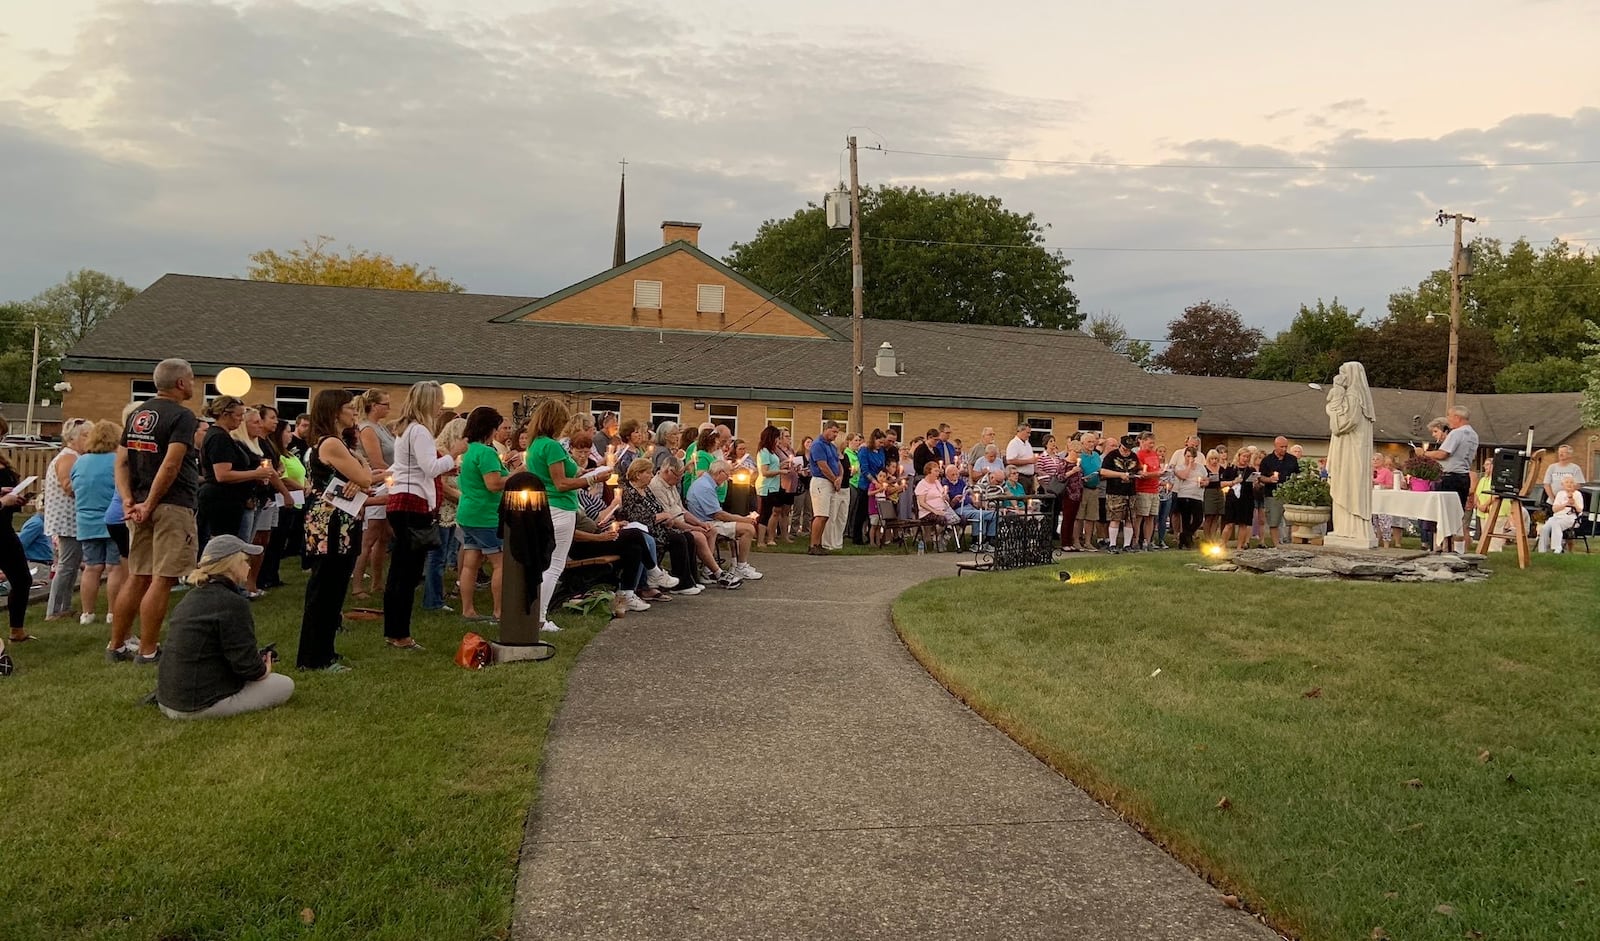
1303	520
1421	486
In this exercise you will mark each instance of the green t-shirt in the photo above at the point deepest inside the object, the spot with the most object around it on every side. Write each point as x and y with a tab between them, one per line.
768	466
701	461
541	454
479	507
855	467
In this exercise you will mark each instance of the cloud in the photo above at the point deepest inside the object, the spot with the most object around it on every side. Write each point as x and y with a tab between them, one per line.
183	136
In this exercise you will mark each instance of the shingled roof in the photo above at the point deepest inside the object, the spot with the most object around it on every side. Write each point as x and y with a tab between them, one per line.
366	335
1259	408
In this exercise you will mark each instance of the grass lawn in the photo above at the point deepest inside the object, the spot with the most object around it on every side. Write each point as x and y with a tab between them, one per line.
1422	759
389	801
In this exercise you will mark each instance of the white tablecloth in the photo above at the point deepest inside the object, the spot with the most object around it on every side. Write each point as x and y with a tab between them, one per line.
1440	506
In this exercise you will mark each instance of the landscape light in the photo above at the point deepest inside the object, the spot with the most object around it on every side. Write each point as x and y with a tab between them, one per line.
452	395
233	381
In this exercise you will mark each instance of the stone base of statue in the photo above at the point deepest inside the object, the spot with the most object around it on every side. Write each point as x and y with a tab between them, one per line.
1337	541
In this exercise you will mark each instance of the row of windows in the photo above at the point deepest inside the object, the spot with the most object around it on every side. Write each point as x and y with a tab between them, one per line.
292	401
708	298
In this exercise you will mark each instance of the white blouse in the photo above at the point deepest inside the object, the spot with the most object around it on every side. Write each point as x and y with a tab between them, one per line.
416	463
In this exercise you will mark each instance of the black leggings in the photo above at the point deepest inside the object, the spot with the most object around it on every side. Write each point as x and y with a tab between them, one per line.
1191	512
325	591
14	563
405	572
629	546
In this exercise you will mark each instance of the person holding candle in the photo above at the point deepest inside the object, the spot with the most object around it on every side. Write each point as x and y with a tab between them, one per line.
263	511
482	483
376	444
769	489
333	536
450	440
413	506
549	461
229	475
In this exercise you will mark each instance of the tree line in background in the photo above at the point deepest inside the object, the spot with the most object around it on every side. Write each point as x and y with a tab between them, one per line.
64	314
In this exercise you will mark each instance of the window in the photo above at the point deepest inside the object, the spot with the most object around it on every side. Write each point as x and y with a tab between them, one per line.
840	415
143	391
599	407
1135	427
211	393
709	298
647	295
664	411
897	425
292	401
723	413
1089	424
1040	429
781	418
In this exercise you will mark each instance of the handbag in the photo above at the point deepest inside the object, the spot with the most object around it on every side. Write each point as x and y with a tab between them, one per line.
425	538
474	652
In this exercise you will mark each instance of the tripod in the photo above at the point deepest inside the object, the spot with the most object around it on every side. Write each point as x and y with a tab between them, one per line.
1519	521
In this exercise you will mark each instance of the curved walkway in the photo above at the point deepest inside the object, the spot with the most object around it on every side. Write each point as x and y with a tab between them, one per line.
771	762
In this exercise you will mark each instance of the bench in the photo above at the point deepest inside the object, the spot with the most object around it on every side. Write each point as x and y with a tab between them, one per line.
582	574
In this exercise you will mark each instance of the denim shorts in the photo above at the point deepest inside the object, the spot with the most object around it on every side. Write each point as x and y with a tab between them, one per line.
100	551
484	539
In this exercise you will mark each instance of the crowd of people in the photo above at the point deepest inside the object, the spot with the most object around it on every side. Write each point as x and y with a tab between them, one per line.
372	499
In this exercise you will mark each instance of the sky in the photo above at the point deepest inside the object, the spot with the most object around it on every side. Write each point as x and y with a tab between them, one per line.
483	137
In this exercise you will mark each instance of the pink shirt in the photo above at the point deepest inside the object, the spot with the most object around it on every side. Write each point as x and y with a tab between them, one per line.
1383	477
931	495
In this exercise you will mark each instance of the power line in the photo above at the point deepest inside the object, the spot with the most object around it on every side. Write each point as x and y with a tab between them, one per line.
1493	221
1127	248
1107	164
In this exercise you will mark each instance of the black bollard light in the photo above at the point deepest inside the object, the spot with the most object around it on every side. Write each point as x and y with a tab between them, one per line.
741	499
529	540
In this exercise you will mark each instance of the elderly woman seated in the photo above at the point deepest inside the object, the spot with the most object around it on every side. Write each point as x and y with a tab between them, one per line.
210	667
989	462
1564	512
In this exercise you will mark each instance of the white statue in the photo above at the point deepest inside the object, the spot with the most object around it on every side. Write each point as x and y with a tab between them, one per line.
1349	411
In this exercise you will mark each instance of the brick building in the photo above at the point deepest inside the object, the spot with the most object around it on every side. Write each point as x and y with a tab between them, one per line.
673	334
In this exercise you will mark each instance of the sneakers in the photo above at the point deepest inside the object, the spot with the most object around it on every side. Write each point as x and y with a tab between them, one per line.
139	658
691	590
632	602
120	654
658	578
550	627
727	579
335	667
86	618
746	572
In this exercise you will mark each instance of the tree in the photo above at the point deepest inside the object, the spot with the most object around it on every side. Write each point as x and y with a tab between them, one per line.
1210	340
69	310
949	257
312	263
1108	329
1551	374
1313	347
1407	353
1589	408
1534	302
16	352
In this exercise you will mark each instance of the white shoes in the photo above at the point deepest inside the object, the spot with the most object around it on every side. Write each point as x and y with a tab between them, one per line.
691	590
658	578
550	627
632	602
744	571
86	618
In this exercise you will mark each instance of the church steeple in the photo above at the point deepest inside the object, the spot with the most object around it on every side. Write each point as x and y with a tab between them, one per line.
619	248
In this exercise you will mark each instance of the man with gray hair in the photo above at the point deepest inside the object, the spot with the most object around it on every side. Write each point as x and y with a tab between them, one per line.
702	503
1455	455
157	483
1564	466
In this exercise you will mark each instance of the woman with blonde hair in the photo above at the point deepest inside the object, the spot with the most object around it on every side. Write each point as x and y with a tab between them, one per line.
210	666
60	518
376	443
229	475
548	460
413	505
449	439
262	516
95	486
1239	501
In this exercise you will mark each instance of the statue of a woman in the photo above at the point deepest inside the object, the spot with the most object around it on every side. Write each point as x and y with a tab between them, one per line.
1350	420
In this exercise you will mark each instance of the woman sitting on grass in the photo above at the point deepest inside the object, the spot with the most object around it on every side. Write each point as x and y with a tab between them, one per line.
210	666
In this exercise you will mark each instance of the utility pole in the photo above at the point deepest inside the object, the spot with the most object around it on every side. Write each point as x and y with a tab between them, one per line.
857	415
1456	275
33	381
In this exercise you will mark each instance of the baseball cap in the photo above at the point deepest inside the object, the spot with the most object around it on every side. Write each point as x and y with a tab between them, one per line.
220	547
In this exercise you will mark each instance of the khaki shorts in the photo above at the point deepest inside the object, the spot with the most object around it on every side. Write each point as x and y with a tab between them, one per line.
1274	512
1119	508
726	529
163	545
1089	507
821	496
1146	504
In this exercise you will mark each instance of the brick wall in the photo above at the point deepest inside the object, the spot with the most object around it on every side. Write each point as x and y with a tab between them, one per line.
610	303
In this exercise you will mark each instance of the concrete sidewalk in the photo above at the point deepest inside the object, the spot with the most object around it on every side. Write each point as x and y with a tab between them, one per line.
772	763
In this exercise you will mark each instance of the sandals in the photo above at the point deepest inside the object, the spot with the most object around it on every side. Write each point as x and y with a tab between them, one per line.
410	643
21	639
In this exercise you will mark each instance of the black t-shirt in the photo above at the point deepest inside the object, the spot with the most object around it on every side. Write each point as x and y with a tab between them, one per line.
1286	466
154	427
1122	463
219	447
920	458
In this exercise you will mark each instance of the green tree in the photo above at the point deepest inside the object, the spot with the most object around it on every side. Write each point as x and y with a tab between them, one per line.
1313	347
1108	329
312	263
1532	301
69	310
1406	353
1210	340
1590	406
1551	374
998	271
16	352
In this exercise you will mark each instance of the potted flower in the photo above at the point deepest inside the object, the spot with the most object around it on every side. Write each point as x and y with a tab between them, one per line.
1307	503
1422	471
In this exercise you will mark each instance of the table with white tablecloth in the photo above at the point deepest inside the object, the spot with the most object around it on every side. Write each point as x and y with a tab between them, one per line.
1440	506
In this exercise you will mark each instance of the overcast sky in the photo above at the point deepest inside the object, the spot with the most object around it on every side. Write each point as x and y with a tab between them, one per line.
482	136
